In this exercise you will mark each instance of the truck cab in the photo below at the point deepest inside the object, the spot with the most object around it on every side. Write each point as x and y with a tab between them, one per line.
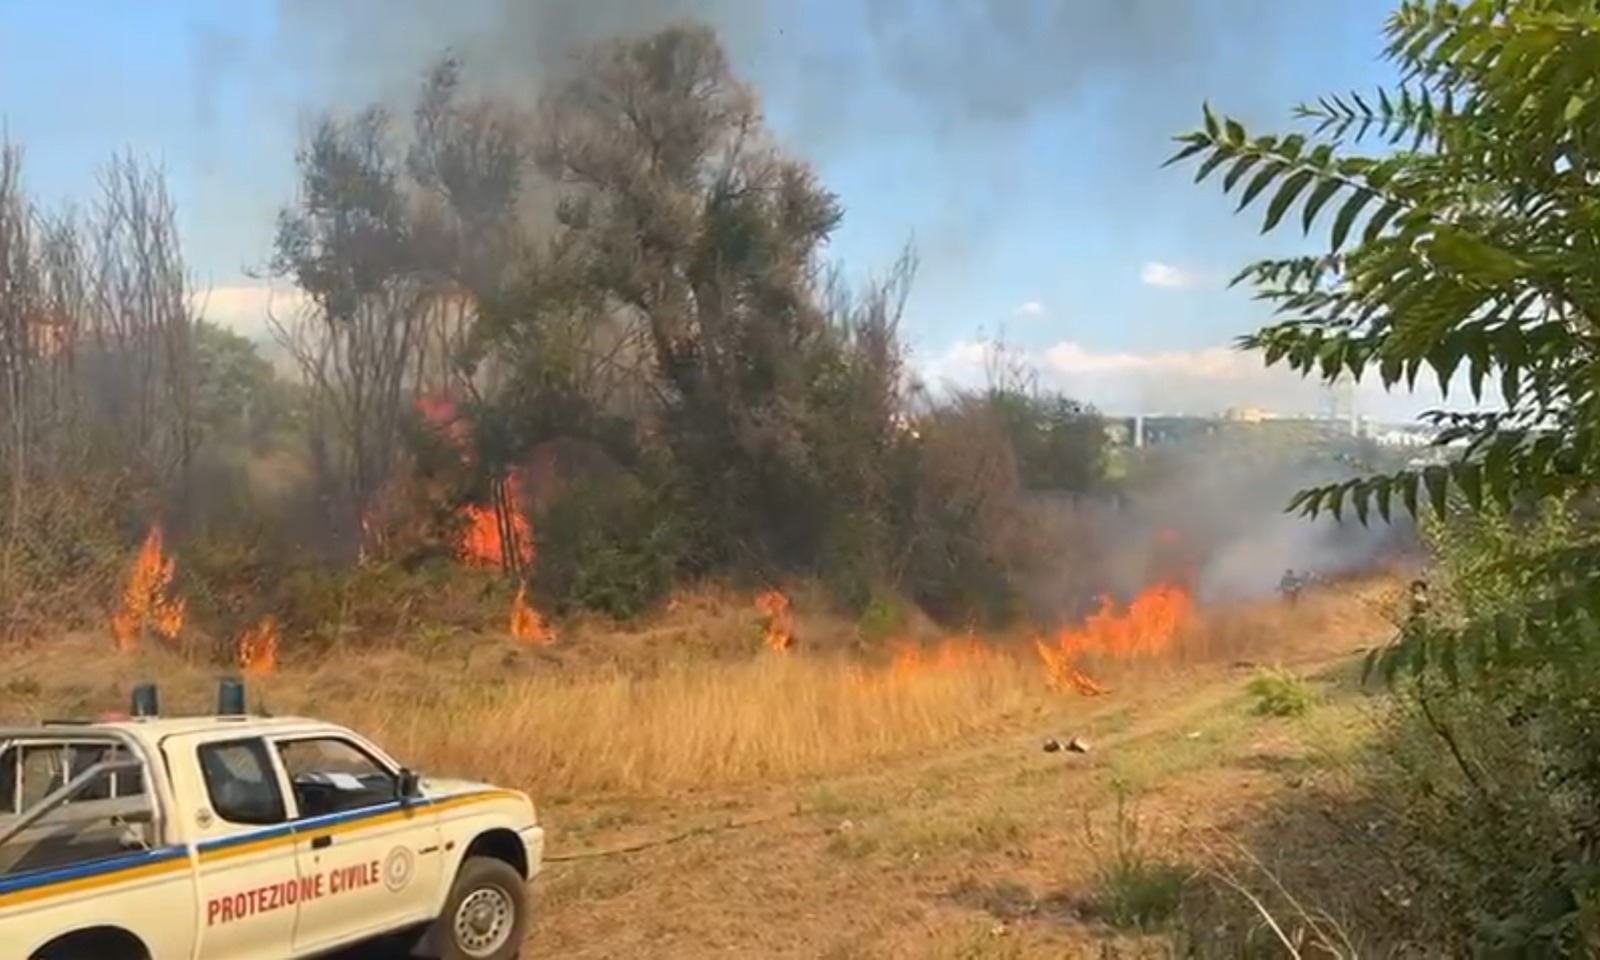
238	837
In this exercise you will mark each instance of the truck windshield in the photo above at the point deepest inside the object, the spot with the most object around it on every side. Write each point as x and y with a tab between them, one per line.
332	775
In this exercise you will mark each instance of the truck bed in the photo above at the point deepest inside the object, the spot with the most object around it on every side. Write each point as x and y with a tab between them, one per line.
77	833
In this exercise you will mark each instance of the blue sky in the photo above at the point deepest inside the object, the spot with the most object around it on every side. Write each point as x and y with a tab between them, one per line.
1024	162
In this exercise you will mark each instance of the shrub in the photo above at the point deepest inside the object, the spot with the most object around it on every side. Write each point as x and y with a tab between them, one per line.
1496	777
1280	693
610	546
1134	889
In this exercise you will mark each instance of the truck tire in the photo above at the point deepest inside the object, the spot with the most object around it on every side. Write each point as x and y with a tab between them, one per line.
103	943
486	915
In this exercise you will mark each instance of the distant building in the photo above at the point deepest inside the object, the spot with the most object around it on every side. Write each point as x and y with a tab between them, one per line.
1155	430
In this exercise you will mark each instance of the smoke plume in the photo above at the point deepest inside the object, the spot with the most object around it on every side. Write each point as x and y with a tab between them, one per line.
1215	515
961	79
968	81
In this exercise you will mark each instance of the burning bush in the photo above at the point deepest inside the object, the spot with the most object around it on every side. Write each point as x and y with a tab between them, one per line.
148	602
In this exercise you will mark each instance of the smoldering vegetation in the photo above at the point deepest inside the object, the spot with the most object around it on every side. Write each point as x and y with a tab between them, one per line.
600	308
1211	514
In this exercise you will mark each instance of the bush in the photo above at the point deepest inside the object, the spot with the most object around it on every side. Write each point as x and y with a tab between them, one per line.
1134	889
1496	778
610	546
1280	693
885	617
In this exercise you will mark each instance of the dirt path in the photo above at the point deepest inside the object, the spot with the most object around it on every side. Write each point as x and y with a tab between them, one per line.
981	851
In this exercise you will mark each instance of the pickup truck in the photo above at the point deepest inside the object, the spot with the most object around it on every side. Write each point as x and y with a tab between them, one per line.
240	837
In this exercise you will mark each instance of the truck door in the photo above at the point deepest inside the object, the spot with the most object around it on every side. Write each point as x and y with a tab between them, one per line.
101	856
376	862
248	877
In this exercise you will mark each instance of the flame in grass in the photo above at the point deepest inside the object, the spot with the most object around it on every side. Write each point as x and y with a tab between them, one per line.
527	624
1147	628
1062	673
913	661
777	630
258	649
953	655
148	601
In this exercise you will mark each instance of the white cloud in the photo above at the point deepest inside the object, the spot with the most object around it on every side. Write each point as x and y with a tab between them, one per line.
1031	310
243	308
1204	381
1158	274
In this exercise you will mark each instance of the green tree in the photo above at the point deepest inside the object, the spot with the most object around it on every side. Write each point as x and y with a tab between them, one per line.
1060	443
239	400
707	240
1463	246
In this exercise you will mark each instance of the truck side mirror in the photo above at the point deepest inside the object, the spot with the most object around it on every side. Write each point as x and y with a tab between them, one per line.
409	786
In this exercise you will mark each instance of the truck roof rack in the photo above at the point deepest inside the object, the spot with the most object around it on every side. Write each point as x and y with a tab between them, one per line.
66	792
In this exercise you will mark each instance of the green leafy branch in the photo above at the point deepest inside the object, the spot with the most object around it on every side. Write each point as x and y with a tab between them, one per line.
1467	251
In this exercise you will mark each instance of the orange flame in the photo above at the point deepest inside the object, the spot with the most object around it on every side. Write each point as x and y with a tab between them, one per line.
258	649
439	412
482	542
912	661
954	654
1061	673
527	624
778	630
147	599
1147	628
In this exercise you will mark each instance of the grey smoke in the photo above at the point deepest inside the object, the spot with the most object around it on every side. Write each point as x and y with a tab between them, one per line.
1231	508
966	77
966	80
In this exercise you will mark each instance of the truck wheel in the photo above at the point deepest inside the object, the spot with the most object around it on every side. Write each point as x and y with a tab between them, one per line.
486	915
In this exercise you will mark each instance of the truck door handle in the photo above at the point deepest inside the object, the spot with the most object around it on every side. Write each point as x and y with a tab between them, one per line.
318	843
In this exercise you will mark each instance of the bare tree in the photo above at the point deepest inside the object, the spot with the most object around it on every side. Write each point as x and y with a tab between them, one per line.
19	300
95	373
349	245
140	329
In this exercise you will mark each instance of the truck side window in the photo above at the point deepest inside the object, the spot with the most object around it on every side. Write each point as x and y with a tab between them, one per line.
29	772
241	782
82	756
331	775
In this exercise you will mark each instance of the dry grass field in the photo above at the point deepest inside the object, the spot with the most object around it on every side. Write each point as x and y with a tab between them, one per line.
810	801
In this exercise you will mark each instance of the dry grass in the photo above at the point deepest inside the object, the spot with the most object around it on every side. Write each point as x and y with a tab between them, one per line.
711	724
774	718
564	724
882	811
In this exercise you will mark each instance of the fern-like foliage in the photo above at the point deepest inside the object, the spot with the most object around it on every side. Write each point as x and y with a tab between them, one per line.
1467	244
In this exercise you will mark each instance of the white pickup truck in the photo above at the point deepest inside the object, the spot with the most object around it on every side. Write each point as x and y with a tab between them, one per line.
237	837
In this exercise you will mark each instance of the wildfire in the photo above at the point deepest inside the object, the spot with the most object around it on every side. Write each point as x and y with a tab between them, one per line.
1147	628
778	630
147	600
912	660
954	654
258	649
527	624
482	540
439	412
